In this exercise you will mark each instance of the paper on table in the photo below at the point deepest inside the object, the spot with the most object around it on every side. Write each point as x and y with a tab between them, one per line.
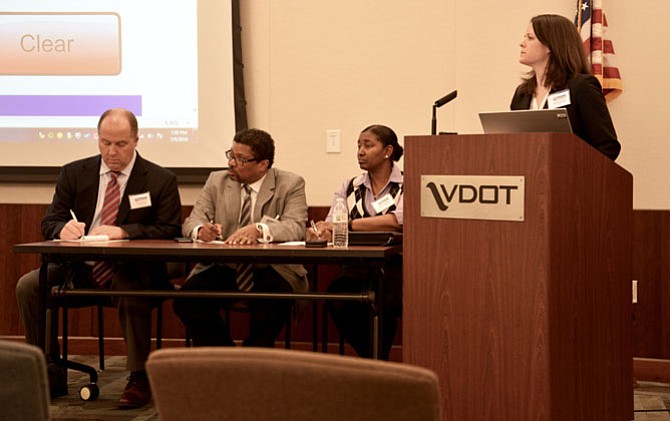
88	238
211	242
95	238
292	243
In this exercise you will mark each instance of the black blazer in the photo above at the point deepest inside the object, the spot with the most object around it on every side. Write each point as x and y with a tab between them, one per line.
77	189
589	117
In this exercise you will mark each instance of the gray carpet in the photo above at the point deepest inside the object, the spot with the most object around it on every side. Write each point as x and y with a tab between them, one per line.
651	400
111	383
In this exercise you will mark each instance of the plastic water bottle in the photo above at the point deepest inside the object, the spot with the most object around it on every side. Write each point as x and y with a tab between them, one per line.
340	223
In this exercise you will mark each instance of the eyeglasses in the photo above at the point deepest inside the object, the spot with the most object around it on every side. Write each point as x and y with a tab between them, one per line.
238	161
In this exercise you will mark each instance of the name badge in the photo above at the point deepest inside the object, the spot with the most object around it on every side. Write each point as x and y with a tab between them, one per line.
138	201
559	99
383	203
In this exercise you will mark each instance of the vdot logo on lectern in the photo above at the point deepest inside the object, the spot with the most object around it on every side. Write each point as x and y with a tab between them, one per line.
499	198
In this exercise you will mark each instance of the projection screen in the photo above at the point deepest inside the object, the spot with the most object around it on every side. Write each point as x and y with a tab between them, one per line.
171	63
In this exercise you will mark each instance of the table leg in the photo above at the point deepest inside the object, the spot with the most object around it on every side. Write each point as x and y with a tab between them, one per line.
315	309
324	326
375	336
377	312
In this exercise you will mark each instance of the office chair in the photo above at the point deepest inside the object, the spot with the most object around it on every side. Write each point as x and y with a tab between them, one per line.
24	395
91	390
100	305
219	383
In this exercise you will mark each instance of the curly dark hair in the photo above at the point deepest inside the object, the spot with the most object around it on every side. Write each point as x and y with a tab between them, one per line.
260	142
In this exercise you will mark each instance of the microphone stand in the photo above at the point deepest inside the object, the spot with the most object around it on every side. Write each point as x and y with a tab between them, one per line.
440	102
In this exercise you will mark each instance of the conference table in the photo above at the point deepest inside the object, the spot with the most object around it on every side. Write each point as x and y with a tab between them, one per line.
65	252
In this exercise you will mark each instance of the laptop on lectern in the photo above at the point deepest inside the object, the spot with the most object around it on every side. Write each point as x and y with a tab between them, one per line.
520	121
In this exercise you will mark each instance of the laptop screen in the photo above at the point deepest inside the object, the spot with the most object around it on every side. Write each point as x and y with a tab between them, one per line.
521	121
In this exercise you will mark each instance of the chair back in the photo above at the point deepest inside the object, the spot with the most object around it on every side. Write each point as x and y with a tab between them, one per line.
24	386
233	384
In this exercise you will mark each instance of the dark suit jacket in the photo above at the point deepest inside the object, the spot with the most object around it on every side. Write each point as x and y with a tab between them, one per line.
77	189
588	113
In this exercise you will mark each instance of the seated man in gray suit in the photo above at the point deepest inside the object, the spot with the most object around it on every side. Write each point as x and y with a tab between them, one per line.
248	203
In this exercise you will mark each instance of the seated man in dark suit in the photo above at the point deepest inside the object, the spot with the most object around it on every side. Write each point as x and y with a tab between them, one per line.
123	196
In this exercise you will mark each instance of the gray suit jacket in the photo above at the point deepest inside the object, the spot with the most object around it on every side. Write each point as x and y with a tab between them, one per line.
281	204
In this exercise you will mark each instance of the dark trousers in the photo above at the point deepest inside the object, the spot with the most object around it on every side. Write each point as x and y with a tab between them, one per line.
204	321
134	312
353	318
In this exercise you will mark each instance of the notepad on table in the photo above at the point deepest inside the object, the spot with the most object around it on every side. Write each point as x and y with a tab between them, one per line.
88	238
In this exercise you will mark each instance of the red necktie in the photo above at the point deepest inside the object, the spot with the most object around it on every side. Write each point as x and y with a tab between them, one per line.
103	271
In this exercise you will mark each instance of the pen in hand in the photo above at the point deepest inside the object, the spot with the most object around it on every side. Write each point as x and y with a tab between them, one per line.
211	221
74	218
316	231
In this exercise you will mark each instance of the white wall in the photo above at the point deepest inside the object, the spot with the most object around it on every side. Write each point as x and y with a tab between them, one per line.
315	65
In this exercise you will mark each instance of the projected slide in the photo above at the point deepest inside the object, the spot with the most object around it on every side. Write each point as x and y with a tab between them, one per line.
64	63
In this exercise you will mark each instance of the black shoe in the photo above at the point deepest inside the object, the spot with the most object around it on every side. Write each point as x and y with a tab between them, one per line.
57	380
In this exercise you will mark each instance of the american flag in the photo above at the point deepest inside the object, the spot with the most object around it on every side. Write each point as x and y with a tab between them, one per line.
592	24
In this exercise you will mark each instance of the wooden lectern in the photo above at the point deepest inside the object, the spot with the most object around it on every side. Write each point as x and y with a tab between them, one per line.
522	320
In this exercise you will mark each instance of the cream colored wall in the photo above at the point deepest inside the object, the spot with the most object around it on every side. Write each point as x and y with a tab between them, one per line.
343	65
642	113
317	65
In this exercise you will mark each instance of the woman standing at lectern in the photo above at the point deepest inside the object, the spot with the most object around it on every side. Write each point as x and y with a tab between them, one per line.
560	78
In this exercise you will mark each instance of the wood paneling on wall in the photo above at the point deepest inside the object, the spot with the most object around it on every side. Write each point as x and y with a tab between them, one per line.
651	268
20	223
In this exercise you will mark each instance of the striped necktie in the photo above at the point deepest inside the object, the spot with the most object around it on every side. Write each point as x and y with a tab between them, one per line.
103	271
245	271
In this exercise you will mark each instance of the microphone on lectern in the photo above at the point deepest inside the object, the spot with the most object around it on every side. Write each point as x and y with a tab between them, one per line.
440	102
448	97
